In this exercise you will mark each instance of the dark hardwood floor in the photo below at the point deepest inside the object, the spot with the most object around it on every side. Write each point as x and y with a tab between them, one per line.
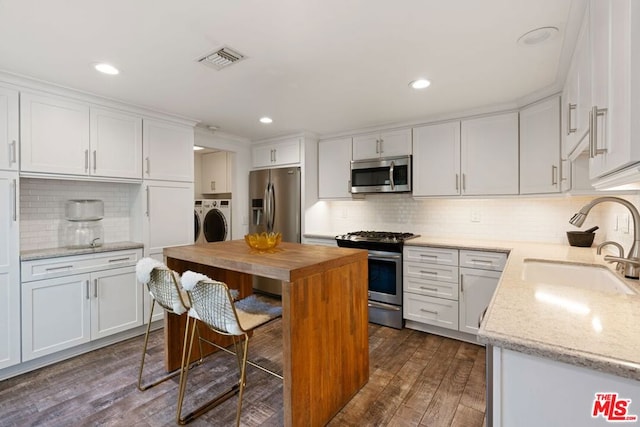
416	379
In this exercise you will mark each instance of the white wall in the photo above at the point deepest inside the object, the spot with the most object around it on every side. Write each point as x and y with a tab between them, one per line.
542	219
240	179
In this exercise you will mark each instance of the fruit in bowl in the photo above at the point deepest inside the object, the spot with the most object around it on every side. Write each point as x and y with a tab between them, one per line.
263	241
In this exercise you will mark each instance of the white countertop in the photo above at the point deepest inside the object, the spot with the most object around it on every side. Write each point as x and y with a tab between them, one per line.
604	337
60	252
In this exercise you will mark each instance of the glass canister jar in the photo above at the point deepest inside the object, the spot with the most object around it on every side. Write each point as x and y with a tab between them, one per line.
84	223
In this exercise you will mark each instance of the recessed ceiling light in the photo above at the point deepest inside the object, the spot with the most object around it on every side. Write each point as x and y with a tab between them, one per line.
420	84
107	69
538	36
196	148
266	120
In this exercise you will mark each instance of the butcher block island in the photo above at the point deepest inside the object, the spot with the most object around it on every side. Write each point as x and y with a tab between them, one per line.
324	317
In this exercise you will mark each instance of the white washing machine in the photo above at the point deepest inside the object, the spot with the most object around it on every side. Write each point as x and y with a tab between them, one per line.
216	220
198	235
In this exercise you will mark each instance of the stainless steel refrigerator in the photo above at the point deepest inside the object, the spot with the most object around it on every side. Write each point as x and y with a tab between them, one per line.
274	203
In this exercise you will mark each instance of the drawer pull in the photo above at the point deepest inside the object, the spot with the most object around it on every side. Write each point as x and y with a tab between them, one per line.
481	261
63	267
429	311
429	255
429	289
119	259
435	273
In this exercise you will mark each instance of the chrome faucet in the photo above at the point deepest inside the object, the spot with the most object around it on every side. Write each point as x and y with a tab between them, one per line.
632	261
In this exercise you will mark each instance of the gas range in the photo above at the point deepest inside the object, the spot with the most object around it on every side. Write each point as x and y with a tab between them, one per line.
375	240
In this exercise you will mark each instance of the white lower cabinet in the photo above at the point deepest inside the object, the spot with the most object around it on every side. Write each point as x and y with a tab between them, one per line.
476	290
64	309
448	288
531	391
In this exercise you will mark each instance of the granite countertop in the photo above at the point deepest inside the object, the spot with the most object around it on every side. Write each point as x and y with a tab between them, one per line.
35	254
542	320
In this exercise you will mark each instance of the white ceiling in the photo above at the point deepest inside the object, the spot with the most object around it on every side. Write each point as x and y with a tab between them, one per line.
324	66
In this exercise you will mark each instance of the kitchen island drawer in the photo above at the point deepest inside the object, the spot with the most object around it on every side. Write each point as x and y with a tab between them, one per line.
434	311
441	273
441	256
483	260
434	288
47	268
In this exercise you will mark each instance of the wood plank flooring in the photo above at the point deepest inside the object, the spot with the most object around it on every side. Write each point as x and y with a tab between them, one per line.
416	379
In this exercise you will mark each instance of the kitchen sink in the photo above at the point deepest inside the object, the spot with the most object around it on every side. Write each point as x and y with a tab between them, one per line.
585	276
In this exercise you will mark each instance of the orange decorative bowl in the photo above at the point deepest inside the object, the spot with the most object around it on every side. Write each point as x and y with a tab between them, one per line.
263	241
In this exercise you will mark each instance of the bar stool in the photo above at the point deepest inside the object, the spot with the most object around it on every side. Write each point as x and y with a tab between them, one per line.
212	303
164	288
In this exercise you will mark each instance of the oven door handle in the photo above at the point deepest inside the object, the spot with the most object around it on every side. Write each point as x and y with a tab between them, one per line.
384	306
384	255
393	184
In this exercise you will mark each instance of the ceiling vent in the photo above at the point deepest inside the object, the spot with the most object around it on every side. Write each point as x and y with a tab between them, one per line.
221	58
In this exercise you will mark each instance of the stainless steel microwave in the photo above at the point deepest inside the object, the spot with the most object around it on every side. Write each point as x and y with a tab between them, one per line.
385	175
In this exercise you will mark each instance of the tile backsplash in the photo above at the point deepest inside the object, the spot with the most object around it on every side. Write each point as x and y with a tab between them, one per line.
540	219
42	209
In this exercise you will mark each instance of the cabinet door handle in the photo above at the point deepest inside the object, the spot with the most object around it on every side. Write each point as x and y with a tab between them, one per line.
571	108
148	162
86	288
381	145
13	155
464	183
86	160
457	182
461	283
95	288
94	160
554	175
15	200
148	207
593	131
424	310
481	317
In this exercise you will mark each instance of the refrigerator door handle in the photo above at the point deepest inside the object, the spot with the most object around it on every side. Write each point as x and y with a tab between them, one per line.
266	206
272	207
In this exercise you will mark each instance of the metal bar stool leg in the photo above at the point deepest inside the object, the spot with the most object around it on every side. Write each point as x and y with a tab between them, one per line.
144	353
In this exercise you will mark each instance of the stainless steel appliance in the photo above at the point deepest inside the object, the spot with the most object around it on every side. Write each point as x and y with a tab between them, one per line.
385	175
274	204
385	272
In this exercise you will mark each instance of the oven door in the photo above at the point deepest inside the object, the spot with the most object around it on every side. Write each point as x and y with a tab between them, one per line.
385	277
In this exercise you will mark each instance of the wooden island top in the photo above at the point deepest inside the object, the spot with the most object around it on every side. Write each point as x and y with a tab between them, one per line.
324	317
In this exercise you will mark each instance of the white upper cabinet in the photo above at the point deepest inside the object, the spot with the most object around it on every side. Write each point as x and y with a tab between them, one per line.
116	144
436	160
277	153
8	129
615	74
540	147
54	135
576	97
61	136
489	155
167	151
385	144
216	172
334	169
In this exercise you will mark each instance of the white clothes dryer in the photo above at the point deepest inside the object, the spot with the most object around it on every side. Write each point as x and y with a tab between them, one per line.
198	217
216	222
